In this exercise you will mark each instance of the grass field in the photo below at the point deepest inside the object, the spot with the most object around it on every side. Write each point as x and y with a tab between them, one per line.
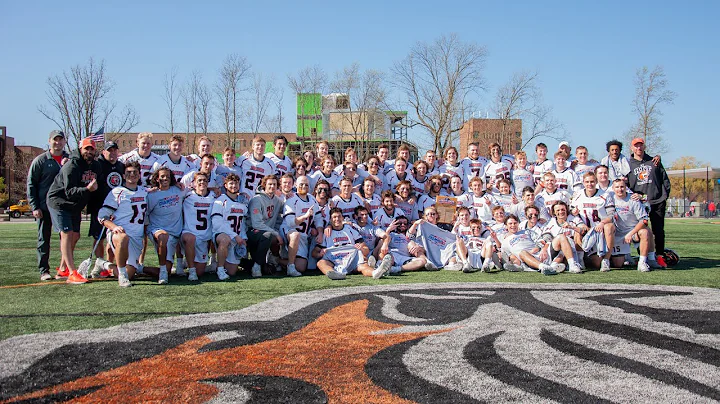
30	307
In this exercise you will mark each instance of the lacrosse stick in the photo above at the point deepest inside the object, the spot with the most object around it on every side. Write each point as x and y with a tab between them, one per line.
84	267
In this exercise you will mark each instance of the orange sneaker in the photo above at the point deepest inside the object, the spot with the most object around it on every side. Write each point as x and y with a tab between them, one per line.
76	279
105	273
62	274
661	261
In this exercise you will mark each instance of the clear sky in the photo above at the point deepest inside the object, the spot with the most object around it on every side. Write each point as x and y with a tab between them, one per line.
586	53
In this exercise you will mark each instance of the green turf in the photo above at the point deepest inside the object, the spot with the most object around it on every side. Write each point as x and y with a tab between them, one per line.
53	307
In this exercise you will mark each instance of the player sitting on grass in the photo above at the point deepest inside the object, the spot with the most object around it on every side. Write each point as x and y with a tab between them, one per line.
522	246
228	227
342	250
596	210
123	214
398	253
566	230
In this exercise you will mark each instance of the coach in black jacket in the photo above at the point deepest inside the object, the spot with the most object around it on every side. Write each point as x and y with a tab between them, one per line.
650	180
41	175
68	195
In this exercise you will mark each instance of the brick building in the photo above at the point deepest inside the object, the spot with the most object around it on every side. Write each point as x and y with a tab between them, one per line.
487	131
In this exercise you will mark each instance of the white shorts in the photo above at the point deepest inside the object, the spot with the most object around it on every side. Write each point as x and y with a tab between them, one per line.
201	250
171	245
135	246
400	259
345	263
620	247
303	246
232	256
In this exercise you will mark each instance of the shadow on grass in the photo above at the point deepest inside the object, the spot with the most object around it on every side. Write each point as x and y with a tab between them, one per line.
696	263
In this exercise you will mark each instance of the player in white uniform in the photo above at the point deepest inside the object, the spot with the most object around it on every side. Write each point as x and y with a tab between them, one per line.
420	179
399	253
207	165
375	173
399	173
405	200
528	199
504	197
204	146
228	228
595	209
480	202
497	168
175	161
165	220
384	216
143	155
367	194
565	178
403	152
550	194
342	250
326	173
522	245
566	228
474	164
197	229
542	165
346	200
283	164
521	177
371	234
227	167
123	214
582	165
424	201
254	168
299	226
451	168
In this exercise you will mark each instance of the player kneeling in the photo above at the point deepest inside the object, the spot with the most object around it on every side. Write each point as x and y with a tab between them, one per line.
342	250
298	226
123	214
228	225
631	221
197	231
165	220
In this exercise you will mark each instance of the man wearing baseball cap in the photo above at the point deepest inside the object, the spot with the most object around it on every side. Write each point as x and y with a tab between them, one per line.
41	175
111	176
651	182
68	195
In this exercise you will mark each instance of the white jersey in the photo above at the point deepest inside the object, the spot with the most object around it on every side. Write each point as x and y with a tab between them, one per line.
628	213
555	228
463	231
593	208
178	169
384	219
128	208
521	178
423	202
347	205
348	235
165	211
497	171
282	166
393	179
213	182
373	202
298	206
567	180
582	169
228	217
481	206
146	164
418	186
546	199
519	242
473	168
253	172
448	170
370	233
197	210
539	169
332	179
380	182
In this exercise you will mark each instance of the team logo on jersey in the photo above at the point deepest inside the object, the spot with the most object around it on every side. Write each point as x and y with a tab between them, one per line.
404	343
643	176
87	177
114	179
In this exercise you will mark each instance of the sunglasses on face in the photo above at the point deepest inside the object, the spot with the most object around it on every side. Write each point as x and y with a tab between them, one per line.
322	190
431	214
532	215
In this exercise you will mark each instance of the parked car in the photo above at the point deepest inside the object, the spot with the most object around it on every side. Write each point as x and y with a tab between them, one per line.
21	209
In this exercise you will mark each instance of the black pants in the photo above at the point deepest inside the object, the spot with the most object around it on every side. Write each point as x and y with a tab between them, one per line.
657	223
43	242
258	245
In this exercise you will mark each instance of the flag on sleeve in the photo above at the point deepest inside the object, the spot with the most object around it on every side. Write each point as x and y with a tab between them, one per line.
99	136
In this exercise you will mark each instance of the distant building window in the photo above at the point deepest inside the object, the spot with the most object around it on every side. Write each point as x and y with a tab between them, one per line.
476	135
518	146
156	143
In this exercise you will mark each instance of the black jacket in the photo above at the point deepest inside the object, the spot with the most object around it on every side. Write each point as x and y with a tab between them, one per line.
69	190
40	177
111	176
647	179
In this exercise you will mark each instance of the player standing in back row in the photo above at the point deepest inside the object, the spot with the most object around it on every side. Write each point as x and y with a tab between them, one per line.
254	168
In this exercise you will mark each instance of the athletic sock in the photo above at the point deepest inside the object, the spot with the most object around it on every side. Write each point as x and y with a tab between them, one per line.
643	258
571	262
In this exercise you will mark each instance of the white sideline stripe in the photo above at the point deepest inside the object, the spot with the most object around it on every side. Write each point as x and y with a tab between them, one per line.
572	301
659	358
523	348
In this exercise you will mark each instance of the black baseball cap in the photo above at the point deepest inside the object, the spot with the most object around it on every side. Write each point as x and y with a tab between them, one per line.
110	144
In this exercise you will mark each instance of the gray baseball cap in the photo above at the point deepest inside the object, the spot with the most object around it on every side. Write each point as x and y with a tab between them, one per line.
110	144
56	133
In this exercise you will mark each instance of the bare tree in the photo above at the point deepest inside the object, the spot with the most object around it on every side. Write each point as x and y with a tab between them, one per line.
310	80
191	102
521	98
651	92
437	79
171	96
204	110
275	122
229	89
263	93
18	165
80	102
363	114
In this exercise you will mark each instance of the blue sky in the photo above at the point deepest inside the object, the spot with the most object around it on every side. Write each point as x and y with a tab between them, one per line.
586	53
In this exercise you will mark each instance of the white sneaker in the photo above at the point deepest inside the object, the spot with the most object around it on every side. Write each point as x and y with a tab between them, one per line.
643	267
575	269
192	274
256	272
123	279
546	269
557	267
292	271
163	277
429	266
222	274
372	261
335	275
180	267
453	267
383	268
605	265
95	273
467	268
